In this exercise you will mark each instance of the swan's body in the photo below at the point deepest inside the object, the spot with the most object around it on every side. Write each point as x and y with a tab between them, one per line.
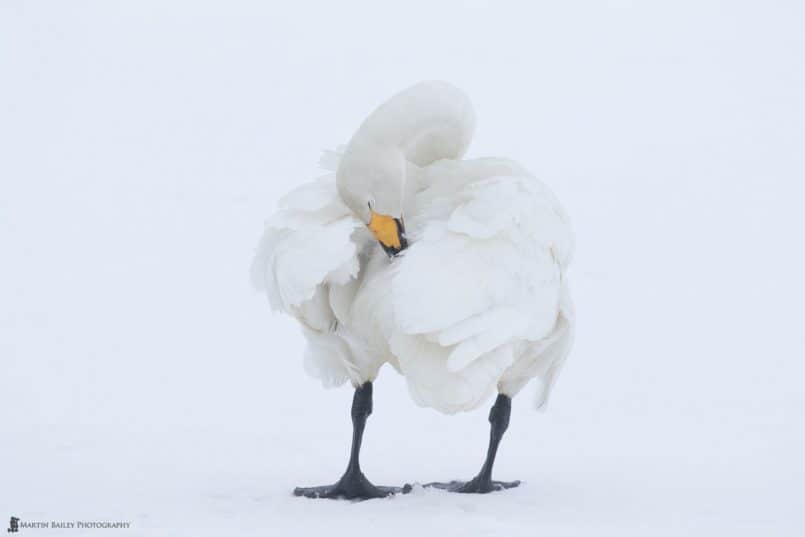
478	301
314	257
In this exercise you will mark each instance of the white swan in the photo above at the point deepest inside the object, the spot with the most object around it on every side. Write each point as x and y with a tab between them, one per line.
451	270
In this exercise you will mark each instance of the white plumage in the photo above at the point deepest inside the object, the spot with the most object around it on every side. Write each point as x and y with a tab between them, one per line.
479	300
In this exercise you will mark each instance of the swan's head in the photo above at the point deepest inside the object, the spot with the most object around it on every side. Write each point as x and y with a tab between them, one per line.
372	183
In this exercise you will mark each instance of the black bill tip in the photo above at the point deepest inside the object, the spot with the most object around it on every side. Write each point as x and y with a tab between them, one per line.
393	251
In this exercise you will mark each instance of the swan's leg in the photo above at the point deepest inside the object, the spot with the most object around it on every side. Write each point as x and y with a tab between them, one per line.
353	484
482	483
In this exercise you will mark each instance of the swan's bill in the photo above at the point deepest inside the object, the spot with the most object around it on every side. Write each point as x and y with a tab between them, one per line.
390	233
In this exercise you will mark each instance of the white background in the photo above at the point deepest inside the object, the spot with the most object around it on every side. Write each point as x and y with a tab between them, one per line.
143	143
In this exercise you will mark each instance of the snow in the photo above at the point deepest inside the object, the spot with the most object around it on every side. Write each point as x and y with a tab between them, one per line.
142	145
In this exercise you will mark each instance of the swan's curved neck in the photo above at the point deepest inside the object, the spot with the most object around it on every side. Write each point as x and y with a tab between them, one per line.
379	171
427	122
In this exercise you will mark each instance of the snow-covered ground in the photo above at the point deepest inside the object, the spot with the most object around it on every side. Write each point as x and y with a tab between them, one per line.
142	144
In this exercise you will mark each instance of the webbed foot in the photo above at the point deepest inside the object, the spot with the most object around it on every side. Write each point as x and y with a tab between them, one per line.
350	487
474	486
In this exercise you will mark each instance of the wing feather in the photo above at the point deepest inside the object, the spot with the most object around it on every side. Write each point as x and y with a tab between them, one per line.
488	274
307	262
308	243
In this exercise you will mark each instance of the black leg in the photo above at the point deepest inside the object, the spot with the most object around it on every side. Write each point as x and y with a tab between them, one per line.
483	483
353	484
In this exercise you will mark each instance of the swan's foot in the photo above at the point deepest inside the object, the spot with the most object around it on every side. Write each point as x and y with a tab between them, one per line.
483	483
353	486
476	485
